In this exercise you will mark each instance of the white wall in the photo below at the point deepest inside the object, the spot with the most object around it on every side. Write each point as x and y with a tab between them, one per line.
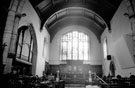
95	49
46	35
120	25
32	17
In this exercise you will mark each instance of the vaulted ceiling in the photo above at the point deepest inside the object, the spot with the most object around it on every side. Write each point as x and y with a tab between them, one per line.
96	15
104	8
93	14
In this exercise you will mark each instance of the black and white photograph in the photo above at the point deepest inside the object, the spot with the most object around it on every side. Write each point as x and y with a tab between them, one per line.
67	44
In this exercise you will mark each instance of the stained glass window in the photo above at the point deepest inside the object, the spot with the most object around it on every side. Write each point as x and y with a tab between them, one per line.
74	46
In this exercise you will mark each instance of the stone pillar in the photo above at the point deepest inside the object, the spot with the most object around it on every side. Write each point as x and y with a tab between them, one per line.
10	32
130	4
18	16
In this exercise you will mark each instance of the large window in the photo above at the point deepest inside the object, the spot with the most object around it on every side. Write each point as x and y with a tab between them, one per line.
74	46
24	44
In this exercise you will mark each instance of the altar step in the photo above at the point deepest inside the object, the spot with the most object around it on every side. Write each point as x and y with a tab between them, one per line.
74	81
80	86
75	85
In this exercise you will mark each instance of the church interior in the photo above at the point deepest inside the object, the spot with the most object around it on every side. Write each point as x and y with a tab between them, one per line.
67	43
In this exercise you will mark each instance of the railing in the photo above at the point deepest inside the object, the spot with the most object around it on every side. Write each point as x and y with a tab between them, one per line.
101	81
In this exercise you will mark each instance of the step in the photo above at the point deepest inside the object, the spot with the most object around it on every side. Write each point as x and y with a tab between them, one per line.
74	85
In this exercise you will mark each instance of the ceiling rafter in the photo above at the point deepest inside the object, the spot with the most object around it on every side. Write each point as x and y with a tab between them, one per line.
104	8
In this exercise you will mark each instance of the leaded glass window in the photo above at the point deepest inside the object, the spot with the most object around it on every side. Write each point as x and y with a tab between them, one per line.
74	46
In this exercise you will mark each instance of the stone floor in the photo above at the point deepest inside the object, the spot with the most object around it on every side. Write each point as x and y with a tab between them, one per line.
80	86
74	87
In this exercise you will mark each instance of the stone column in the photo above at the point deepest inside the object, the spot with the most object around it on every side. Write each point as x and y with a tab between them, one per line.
130	4
10	34
18	16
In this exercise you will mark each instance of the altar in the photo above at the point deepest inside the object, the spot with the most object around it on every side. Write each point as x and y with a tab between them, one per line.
74	72
74	78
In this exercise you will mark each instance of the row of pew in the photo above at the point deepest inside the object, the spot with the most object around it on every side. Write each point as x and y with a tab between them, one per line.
49	81
121	82
25	81
112	82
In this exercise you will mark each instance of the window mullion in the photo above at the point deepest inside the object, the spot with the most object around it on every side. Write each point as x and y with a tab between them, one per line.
30	48
68	46
23	32
66	50
72	47
78	47
83	49
61	46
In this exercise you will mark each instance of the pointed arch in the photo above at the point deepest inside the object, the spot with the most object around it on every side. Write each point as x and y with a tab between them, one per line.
74	46
26	46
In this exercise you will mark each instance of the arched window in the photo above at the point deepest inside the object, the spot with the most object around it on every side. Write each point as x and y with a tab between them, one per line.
24	44
74	46
105	48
